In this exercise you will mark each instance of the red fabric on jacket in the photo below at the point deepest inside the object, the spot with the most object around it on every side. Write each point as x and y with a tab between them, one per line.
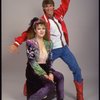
21	38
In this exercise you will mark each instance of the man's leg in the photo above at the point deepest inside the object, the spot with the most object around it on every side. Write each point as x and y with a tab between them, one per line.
69	59
56	53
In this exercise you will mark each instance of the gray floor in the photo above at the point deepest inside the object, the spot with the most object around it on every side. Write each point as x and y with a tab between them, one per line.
13	78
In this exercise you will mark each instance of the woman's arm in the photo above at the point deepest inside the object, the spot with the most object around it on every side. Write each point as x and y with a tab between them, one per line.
32	52
49	61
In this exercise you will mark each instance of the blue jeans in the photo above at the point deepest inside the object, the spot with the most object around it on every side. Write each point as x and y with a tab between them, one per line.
66	55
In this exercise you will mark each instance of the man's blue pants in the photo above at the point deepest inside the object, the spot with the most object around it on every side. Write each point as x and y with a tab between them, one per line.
66	55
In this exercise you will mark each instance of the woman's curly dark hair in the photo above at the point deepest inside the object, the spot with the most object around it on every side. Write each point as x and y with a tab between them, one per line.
30	28
33	23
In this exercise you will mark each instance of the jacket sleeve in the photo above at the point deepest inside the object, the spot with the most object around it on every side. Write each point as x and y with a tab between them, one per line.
20	39
49	60
31	54
62	9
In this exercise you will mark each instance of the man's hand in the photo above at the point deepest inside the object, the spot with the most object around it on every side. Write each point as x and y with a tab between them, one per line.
13	48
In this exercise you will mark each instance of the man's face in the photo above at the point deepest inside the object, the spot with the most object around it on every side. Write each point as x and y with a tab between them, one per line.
49	10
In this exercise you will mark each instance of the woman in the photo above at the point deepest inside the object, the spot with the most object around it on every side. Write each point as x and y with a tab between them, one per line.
41	78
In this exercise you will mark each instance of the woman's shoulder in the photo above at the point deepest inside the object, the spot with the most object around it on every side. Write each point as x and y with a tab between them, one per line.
31	42
49	43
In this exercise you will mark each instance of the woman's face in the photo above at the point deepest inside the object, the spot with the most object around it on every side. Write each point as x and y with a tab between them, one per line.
49	10
40	30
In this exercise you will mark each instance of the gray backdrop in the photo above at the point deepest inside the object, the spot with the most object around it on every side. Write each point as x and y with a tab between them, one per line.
82	22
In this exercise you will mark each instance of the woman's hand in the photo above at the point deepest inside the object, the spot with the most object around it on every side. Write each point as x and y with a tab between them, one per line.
46	76
51	77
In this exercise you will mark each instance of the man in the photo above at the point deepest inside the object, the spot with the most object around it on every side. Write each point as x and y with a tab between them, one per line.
59	35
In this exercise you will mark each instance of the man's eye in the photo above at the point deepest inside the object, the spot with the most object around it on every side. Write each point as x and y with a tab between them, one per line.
43	28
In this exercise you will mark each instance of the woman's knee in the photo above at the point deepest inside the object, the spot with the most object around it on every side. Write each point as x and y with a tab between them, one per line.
50	85
59	76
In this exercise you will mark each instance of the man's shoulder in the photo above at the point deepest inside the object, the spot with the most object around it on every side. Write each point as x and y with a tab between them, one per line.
42	17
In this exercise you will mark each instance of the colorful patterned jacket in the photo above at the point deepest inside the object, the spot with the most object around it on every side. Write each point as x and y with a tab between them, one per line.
59	13
32	50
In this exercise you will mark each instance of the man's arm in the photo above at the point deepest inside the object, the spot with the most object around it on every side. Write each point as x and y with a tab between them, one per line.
18	41
62	9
